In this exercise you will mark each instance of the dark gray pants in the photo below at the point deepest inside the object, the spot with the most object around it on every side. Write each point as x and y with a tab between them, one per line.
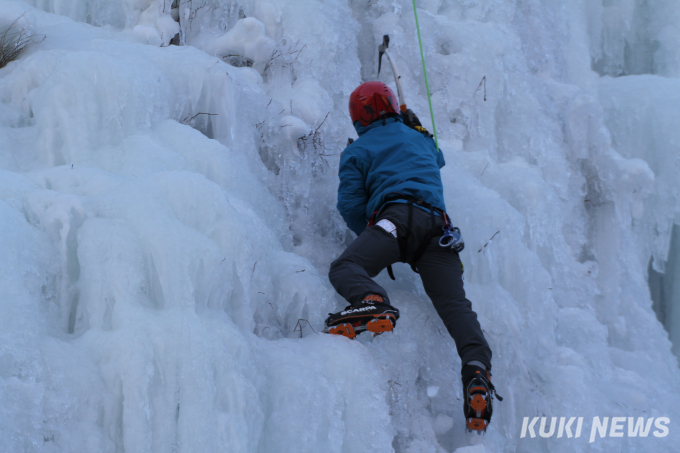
440	269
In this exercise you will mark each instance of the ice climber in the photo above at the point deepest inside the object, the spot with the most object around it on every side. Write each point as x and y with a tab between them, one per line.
391	196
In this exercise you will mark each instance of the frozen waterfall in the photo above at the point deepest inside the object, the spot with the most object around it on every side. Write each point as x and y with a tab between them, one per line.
168	178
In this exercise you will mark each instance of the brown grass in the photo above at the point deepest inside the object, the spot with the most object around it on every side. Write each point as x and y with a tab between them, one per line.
13	40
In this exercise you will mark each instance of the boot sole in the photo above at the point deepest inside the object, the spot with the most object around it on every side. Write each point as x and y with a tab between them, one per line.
381	324
344	329
476	424
478	404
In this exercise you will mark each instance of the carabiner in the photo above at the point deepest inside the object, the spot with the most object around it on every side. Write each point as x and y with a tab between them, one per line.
452	238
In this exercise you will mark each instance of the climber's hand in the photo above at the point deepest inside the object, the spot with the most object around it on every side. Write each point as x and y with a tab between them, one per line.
410	119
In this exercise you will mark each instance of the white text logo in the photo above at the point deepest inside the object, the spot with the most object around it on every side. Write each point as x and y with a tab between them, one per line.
357	310
640	427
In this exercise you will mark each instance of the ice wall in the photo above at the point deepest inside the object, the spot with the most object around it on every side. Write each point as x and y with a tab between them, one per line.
167	216
665	291
634	37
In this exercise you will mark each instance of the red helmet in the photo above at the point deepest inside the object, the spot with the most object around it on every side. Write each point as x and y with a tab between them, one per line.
371	100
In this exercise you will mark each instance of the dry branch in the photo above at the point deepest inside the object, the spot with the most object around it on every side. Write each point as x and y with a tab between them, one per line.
13	41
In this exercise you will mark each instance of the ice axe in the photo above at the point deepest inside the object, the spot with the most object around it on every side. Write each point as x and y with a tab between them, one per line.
382	49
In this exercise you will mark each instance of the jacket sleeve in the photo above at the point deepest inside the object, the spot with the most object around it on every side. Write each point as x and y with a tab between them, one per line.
352	196
438	152
440	159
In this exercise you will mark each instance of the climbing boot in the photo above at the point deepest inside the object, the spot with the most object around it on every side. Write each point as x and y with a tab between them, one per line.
478	401
373	314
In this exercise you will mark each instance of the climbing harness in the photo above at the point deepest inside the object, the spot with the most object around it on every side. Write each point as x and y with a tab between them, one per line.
450	236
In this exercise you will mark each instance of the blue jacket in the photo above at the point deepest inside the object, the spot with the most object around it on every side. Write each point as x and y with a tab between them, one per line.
387	157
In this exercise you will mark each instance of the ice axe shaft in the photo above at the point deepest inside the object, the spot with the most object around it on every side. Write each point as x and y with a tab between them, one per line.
382	49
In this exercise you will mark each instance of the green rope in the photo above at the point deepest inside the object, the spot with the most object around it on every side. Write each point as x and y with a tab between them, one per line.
427	85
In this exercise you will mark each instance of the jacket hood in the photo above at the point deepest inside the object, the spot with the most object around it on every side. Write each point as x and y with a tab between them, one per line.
361	130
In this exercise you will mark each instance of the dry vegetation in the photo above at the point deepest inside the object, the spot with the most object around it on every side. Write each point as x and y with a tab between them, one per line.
13	40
